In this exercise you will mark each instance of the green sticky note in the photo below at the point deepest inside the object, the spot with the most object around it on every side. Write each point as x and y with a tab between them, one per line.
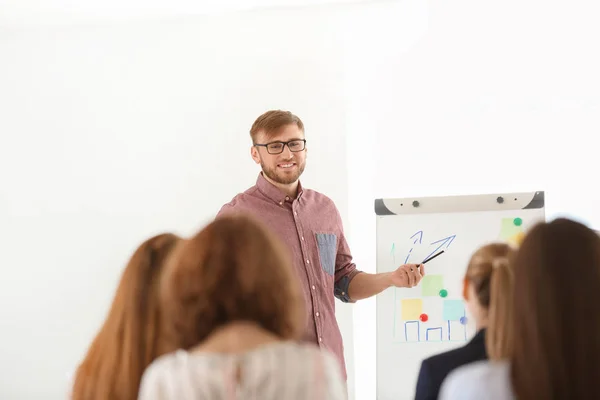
432	284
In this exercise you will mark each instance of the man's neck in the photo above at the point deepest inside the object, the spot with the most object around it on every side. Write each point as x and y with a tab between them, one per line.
290	189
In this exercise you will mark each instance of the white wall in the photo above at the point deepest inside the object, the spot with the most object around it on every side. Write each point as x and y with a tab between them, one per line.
468	97
112	133
35	13
414	98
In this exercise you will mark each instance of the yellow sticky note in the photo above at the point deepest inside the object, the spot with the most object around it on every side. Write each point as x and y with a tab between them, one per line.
509	229
411	309
516	239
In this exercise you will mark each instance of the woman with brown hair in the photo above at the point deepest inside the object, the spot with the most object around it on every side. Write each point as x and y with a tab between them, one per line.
487	290
556	323
235	313
130	337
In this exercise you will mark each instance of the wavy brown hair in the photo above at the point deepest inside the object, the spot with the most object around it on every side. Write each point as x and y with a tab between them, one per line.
556	315
232	270
272	121
490	272
130	338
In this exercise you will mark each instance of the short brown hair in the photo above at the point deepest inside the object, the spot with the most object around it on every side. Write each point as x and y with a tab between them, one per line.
490	273
232	270
556	318
131	336
271	122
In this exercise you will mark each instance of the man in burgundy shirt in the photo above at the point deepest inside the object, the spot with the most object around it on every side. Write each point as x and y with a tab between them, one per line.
311	226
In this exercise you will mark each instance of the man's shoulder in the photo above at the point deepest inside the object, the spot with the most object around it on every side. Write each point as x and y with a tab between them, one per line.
243	201
237	200
317	197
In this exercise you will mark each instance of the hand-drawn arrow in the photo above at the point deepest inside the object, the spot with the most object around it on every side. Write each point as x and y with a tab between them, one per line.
447	241
418	239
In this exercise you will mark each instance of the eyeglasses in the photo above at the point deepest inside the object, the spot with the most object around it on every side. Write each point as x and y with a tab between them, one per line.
277	147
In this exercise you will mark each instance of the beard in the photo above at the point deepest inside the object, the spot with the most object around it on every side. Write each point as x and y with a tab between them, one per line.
282	177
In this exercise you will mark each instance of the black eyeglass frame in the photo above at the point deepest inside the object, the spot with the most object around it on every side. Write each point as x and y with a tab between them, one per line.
266	145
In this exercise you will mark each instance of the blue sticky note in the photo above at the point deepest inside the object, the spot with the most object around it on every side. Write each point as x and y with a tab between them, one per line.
454	310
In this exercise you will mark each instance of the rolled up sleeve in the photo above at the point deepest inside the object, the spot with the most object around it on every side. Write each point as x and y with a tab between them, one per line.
345	269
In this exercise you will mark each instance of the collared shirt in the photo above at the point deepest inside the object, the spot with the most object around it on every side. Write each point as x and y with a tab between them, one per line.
311	226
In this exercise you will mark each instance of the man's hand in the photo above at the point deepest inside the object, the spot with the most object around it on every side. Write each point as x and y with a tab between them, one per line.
408	275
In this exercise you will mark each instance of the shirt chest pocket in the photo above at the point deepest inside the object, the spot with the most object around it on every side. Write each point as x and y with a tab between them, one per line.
327	244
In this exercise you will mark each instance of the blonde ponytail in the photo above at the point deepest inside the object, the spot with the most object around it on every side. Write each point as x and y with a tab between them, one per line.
498	340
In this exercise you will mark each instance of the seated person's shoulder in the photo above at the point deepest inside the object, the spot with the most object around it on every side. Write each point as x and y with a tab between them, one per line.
164	365
158	377
451	359
478	380
327	368
172	365
435	369
481	370
309	353
172	372
324	357
302	349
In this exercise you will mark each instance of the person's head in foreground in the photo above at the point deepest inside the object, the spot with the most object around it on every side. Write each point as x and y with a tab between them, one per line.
556	316
487	290
234	270
235	315
130	338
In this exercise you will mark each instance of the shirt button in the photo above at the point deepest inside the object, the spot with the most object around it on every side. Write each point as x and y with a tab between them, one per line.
287	198
308	261
281	203
313	287
295	213
302	238
320	339
317	313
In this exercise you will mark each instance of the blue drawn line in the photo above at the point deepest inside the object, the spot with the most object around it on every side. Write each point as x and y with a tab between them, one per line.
406	330
445	241
464	327
419	239
393	251
432	329
408	256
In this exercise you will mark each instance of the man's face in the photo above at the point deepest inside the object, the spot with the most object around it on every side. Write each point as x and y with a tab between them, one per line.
286	167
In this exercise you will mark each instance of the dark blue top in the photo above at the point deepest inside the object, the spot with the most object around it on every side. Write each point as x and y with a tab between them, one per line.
435	369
